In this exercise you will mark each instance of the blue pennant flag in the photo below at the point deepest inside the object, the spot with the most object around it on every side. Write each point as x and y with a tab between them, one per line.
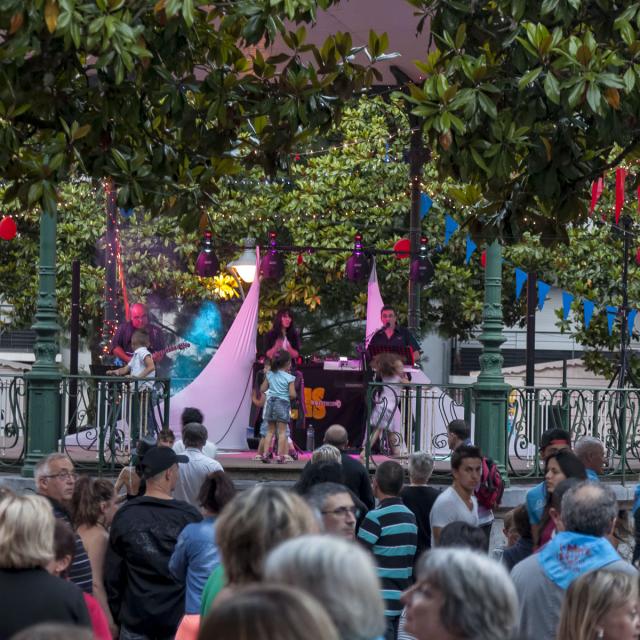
631	318
425	204
471	247
567	301
612	312
588	311
450	227
521	278
543	290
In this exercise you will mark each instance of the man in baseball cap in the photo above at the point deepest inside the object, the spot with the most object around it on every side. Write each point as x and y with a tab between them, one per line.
143	597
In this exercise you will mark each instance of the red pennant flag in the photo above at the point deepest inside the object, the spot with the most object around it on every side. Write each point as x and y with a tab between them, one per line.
621	174
483	259
596	192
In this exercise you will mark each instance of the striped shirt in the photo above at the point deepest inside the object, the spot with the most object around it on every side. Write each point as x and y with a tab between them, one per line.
391	534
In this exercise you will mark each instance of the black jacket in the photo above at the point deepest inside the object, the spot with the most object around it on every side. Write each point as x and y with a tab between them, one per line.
30	596
142	594
356	477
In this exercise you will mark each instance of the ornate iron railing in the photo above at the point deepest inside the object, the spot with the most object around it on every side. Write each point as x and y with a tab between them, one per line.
100	418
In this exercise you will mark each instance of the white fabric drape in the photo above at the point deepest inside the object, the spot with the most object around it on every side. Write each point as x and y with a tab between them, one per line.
222	391
374	304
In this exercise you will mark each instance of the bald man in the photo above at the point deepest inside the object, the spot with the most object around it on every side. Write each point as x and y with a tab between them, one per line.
121	343
356	476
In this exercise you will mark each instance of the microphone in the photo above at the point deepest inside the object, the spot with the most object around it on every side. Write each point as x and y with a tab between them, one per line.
387	325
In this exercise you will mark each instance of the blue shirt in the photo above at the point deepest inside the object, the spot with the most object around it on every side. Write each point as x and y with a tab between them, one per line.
194	558
592	476
279	384
536	500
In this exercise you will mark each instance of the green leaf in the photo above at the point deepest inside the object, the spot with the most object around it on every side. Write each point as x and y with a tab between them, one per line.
529	77
552	88
629	79
593	97
487	105
35	192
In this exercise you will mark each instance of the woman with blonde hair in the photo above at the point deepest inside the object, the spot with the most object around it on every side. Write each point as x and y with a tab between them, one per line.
28	593
252	524
268	612
601	605
326	453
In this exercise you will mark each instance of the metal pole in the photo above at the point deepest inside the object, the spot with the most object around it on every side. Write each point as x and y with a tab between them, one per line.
74	345
531	328
491	392
43	381
624	328
416	160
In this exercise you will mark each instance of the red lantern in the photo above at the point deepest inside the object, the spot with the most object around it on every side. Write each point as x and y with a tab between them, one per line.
483	259
402	249
8	228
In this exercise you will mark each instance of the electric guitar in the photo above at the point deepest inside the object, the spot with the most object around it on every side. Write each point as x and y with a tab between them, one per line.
158	355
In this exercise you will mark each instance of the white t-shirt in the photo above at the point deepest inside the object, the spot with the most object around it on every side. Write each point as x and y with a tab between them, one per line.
209	449
137	366
193	474
450	507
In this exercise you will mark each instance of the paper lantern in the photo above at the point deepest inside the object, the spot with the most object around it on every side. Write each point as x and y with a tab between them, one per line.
8	228
402	249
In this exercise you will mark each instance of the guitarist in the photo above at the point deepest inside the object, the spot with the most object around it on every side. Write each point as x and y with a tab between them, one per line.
121	344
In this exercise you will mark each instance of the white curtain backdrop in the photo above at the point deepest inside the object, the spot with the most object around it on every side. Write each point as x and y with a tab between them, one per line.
374	304
222	391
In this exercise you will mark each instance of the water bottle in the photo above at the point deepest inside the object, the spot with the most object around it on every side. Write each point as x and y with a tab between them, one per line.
311	438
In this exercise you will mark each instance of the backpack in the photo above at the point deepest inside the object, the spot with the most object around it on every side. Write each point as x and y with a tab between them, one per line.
489	493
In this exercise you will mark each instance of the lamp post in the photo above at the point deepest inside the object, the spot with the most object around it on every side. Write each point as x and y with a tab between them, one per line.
43	381
491	391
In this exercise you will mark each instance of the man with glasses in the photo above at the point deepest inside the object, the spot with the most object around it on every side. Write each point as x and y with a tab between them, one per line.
335	505
55	480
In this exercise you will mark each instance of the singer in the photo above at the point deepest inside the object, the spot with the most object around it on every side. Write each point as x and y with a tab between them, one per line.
283	335
391	335
121	343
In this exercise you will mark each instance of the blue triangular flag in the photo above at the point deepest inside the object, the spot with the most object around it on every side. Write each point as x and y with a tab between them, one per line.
588	311
631	318
471	247
543	290
450	227
425	204
567	300
521	278
612	312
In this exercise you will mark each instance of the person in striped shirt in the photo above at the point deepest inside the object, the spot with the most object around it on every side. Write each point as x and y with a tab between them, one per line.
390	532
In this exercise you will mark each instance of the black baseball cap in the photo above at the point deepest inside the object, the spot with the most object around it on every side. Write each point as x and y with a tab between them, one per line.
159	459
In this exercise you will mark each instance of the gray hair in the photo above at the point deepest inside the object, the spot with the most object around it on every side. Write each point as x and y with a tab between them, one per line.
317	495
420	467
479	599
589	508
327	453
584	445
339	574
195	435
42	467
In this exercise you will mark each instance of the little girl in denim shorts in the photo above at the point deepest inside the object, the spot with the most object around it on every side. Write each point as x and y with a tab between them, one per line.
279	388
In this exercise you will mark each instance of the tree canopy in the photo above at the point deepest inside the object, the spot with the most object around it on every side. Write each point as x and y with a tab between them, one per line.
527	103
163	96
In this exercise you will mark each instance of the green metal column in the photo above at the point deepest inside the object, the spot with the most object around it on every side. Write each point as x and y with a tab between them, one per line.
43	402
490	391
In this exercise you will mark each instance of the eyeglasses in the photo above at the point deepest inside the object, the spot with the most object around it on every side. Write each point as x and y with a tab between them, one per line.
63	475
343	511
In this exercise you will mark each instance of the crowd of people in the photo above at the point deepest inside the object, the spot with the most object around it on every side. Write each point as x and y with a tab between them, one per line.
174	550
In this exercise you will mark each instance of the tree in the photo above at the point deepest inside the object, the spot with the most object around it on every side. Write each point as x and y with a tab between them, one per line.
527	103
158	261
162	96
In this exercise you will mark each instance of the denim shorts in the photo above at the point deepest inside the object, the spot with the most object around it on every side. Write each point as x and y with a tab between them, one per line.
277	410
264	425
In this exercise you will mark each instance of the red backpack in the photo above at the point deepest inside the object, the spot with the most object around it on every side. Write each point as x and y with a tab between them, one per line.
489	493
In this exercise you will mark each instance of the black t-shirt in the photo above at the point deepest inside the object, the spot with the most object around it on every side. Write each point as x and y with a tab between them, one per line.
419	500
272	336
32	596
400	337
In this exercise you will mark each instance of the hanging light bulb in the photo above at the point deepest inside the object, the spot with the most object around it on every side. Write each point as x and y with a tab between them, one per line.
358	265
272	265
421	269
207	264
245	264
